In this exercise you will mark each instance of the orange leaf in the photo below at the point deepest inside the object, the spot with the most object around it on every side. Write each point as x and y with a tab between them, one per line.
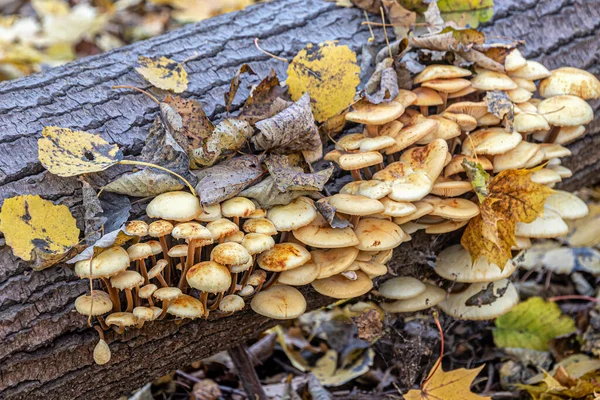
453	385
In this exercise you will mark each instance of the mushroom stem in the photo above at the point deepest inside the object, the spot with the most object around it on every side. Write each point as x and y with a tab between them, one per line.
129	300
100	330
165	249
165	306
188	263
356	175
552	135
136	299
204	300
236	220
372	130
389	158
247	373
283	236
162	281
453	144
114	295
153	259
379	167
354	220
442	106
140	324
150	301
234	278
272	280
142	267
102	323
119	329
367	173
424	110
249	271
216	302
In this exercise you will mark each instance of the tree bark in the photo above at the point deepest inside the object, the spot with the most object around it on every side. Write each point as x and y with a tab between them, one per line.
45	348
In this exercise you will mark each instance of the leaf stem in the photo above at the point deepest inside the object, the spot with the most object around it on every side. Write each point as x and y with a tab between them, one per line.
151	96
439	361
267	53
145	164
574	297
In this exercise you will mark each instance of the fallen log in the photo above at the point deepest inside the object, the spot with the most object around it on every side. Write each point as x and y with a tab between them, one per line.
45	348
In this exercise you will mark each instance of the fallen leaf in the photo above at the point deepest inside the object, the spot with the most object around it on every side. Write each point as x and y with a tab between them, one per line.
206	389
481	59
114	238
288	177
225	180
400	17
233	134
65	152
532	324
116	209
433	18
576	365
163	73
329	73
512	197
500	105
235	84
449	39
479	178
371	6
383	84
329	213
453	385
163	149
147	182
267	195
37	230
291	130
265	100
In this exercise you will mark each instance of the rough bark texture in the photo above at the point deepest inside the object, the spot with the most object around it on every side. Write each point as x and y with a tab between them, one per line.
45	348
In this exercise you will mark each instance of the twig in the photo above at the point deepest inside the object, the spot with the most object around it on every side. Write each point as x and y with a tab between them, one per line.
574	297
267	53
439	361
387	41
247	373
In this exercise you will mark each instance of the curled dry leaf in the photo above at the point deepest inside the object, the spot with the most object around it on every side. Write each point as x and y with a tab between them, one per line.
116	209
453	385
371	6
233	134
329	213
38	231
65	152
235	84
449	39
164	148
291	130
265	100
433	18
225	180
267	195
500	105
329	73
288	177
163	73
383	84
400	17
144	183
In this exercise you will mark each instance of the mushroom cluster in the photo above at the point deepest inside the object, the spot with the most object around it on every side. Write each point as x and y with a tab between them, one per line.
407	175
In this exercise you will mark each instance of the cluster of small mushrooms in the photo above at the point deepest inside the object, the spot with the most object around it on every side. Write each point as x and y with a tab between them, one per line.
407	176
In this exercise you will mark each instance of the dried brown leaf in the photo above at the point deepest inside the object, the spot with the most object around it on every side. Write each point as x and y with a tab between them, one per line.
383	84
235	84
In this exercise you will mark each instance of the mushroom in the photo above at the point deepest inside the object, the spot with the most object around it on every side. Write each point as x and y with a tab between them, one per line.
462	93
166	295
255	243
138	253
146	292
185	306
208	277
566	110
159	229
174	206
235	237
439	71
454	263
394	208
196	236
319	234
422	208
444	227
430	297
354	162
446	86
549	225
120	321
222	228
545	176
373	269
426	98
231	254
532	70
339	287
516	158
349	142
156	250
94	305
333	261
401	288
282	257
491	80
446	129
530	87
298	213
565	134
455	209
180	251
514	60
302	275
372	189
355	205
156	272
552	150
418	128
572	81
260	225
376	234
455	165
231	303
136	228
407	184
376	143
257	279
490	141
126	281
464	121
519	95
374	114
244	292
237	207
447	187
143	314
566	205
500	297
210	213
279	302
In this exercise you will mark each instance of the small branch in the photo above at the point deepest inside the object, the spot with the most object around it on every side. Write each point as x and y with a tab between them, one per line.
574	297
247	373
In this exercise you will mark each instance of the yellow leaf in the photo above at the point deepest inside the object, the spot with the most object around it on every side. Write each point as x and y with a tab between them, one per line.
65	152
36	229
511	197
330	75
163	73
453	385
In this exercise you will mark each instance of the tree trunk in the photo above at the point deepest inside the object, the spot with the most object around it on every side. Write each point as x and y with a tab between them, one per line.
46	348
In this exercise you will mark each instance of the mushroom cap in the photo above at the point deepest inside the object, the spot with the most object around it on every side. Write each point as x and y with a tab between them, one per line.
127	280
230	253
532	71
384	256
573	81
236	269
237	207
155	246
143	313
455	209
210	213
123	319
106	264
567	205
235	237
351	161
167	293
185	306
447	187
490	141
522	243
303	275
506	297
465	122
405	97
401	288
552	150
231	303
101	303
257	243
372	189
549	225
139	251
519	95
394	208
260	225
377	234
566	134
417	129
527	85
333	261
445	227
160	228
492	80
349	142
136	227
526	122
563	172
566	110
157	269
209	276
300	212
333	155
422	208
319	234
371	268
431	296
222	227
430	159
455	165
258	213
279	302
374	114
179	250
246	291
353	204
376	143
472	108
446	129
175	206
283	256
447	85
391	128
454	263
439	71
257	277
147	290
340	287
536	159
514	60
427	97
190	231
545	176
